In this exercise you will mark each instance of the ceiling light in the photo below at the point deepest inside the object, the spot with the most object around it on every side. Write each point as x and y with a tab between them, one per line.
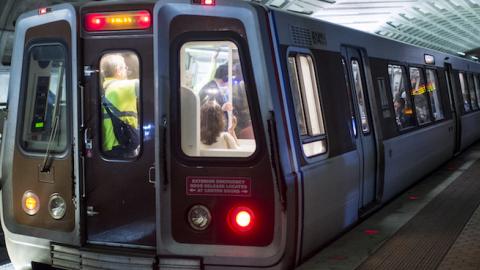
461	53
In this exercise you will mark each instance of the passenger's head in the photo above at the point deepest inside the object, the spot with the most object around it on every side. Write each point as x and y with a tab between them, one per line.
222	73
211	122
113	66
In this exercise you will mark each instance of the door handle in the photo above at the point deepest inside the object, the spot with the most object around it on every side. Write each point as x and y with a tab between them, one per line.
151	175
88	142
91	212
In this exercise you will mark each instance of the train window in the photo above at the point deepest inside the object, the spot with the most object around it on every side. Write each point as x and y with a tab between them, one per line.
119	99
383	98
465	95
297	96
401	97
419	94
477	88
473	96
433	92
45	115
357	78
214	108
307	104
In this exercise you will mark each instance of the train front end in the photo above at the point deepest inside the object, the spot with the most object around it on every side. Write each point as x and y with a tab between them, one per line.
142	136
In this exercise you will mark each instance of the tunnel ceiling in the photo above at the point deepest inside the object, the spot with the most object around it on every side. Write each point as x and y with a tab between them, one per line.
451	26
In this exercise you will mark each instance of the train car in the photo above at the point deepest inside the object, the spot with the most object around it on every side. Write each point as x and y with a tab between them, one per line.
213	134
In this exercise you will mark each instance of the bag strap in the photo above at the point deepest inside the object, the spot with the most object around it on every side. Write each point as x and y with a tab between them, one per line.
111	109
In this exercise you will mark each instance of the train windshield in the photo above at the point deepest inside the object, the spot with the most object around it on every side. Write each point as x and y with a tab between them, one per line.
215	114
44	116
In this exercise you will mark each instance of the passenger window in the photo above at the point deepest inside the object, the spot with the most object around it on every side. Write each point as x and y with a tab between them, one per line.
433	92
45	114
383	98
308	110
419	94
473	96
401	97
477	88
357	78
214	108
119	99
465	95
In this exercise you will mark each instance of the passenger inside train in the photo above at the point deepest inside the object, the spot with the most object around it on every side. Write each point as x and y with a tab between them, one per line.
212	85
120	132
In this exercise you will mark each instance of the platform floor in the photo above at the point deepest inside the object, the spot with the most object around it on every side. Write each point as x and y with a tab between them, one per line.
433	225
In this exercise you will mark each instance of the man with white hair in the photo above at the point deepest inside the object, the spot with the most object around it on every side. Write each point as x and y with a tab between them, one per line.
120	114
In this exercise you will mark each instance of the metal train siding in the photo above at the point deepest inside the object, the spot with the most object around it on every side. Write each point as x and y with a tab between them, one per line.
328	123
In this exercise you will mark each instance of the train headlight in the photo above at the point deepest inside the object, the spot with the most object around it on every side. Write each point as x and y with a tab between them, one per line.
199	217
57	206
30	203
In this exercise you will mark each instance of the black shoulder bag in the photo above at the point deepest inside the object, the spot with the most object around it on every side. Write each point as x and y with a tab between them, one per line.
127	136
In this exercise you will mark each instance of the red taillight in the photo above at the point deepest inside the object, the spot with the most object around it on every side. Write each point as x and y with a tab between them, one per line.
113	21
204	2
241	219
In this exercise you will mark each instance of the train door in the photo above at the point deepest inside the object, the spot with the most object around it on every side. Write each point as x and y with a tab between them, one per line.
364	133
213	158
118	135
454	105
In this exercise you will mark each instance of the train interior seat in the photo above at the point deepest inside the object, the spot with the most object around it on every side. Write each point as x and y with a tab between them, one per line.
190	120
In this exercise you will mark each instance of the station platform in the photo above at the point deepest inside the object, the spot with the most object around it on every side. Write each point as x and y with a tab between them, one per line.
433	225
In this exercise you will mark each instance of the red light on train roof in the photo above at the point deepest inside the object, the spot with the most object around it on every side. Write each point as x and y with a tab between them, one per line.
43	11
241	219
204	2
114	21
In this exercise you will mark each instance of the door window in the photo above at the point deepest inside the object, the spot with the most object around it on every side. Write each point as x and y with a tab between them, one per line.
119	99
465	95
358	84
307	104
433	93
477	88
45	112
401	97
473	96
214	108
419	94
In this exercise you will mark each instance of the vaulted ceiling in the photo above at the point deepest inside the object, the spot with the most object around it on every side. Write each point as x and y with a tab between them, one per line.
446	25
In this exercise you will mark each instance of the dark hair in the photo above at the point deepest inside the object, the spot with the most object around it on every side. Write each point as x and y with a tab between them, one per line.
211	122
222	72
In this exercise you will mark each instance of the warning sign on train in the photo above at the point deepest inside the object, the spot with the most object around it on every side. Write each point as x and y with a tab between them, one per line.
218	186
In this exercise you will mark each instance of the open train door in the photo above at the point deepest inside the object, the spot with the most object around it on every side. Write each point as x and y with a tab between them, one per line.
365	134
39	149
119	191
455	106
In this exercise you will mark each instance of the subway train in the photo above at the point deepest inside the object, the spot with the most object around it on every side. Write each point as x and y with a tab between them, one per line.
213	134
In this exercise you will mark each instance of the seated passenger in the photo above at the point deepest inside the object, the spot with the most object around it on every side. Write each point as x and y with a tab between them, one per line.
212	125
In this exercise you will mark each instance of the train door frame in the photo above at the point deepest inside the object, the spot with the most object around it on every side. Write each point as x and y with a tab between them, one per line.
454	106
115	184
369	183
